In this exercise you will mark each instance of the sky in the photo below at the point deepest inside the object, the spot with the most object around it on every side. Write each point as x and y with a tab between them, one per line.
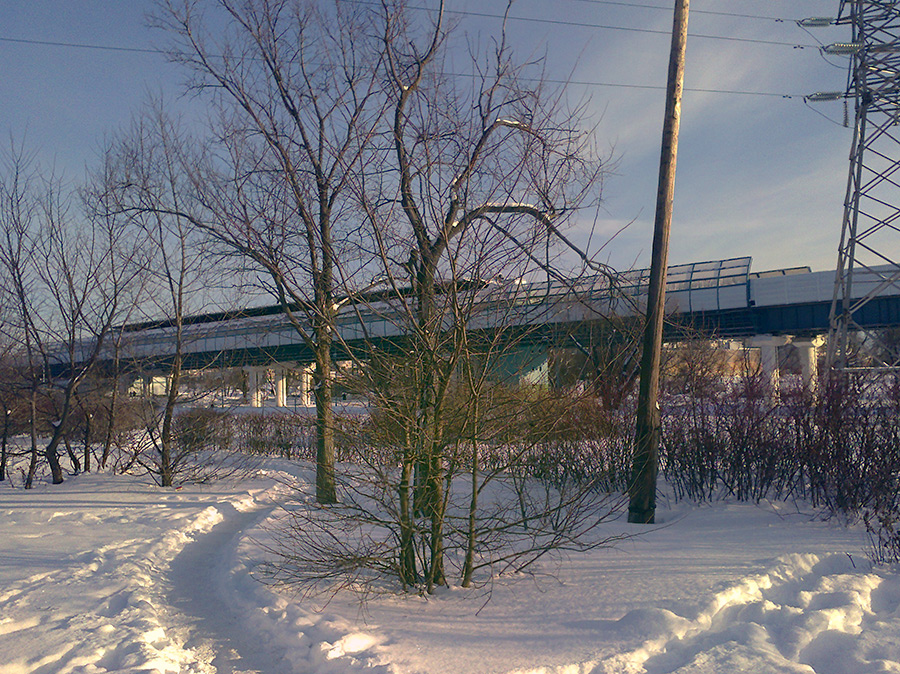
760	172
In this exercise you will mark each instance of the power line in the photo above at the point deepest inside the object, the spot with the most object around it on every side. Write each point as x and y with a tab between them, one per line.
619	3
581	24
659	87
487	15
585	83
81	45
602	26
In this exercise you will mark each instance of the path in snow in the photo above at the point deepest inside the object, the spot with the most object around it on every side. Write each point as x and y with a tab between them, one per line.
84	573
101	609
107	575
236	625
201	589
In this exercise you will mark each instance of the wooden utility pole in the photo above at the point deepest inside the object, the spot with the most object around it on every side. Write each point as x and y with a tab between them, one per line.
642	490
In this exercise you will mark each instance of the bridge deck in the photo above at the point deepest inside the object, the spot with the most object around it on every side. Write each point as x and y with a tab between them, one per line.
720	297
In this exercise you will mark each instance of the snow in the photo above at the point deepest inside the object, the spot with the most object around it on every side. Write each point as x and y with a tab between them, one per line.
109	573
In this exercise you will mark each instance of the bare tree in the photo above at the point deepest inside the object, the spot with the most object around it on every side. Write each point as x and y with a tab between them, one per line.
473	183
87	294
526	469
119	275
19	227
12	386
146	194
295	82
59	281
478	167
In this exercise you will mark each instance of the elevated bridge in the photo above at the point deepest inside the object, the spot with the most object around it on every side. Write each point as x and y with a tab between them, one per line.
721	299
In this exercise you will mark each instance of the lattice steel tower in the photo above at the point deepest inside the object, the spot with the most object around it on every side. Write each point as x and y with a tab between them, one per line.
869	252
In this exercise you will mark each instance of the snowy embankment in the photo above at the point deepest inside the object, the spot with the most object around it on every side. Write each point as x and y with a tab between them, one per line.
111	574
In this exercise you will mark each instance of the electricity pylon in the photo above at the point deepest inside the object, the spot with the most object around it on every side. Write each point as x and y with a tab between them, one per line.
869	251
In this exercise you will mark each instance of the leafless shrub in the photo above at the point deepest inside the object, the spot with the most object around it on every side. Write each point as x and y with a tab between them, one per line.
285	435
201	451
540	471
354	544
567	439
840	449
882	522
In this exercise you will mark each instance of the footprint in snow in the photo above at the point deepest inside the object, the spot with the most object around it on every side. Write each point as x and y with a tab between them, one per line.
806	614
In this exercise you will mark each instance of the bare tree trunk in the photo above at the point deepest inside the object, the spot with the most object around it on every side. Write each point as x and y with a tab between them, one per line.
471	534
167	467
88	416
73	457
51	451
32	427
407	553
431	458
52	456
111	416
436	508
6	416
323	327
326	490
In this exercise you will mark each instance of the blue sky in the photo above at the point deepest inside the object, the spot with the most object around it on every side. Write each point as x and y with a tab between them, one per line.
758	175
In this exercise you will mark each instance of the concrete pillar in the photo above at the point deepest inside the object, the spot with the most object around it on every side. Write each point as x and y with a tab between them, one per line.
146	385
305	386
768	355
256	377
808	350
158	385
281	386
126	386
535	368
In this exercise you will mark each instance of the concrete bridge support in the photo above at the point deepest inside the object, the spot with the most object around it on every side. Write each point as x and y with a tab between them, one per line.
768	355
256	379
305	386
808	349
281	372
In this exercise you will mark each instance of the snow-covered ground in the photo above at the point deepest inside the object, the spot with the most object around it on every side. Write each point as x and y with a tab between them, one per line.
111	574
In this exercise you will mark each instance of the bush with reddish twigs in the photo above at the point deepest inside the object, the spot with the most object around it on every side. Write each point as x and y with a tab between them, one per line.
284	435
839	448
